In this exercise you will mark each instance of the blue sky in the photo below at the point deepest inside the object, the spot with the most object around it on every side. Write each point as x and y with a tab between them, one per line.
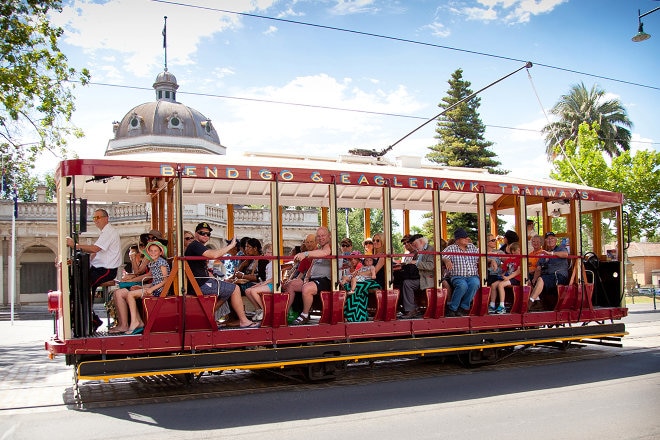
238	56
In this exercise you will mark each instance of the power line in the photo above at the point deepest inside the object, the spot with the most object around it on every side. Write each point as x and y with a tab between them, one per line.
405	40
322	107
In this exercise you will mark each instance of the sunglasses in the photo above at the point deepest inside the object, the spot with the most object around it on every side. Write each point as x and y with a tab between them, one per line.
345	245
205	234
491	240
188	238
376	240
368	242
96	217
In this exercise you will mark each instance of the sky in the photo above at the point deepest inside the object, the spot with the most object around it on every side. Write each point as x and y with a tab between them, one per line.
235	60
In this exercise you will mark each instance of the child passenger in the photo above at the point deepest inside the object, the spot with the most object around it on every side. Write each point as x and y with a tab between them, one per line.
511	277
255	292
126	300
364	273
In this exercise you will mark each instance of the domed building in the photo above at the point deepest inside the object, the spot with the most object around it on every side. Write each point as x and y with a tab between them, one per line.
164	126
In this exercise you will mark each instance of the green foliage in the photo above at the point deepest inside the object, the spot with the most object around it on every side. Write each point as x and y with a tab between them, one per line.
581	105
460	132
637	177
36	100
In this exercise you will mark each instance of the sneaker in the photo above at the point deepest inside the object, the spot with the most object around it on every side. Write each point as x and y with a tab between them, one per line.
500	310
258	315
491	310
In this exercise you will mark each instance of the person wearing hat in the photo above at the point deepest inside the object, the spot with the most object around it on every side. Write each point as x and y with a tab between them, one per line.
551	270
126	299
425	264
463	272
346	247
226	292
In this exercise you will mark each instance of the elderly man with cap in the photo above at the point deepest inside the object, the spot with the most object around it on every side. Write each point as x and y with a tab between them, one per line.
425	264
550	271
209	285
461	262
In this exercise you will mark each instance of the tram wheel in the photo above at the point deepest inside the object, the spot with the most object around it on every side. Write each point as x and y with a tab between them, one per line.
477	358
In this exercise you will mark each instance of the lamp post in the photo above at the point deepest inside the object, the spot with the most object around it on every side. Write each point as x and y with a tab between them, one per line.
641	35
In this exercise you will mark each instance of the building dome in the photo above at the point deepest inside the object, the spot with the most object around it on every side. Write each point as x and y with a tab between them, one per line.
164	125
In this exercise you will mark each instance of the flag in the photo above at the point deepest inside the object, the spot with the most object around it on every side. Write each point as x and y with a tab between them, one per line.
165	34
5	182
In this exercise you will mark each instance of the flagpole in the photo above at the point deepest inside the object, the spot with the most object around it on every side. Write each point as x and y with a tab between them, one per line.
12	266
165	41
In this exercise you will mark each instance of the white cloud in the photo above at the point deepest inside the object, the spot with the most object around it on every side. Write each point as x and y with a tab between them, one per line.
438	29
509	11
270	30
346	7
94	28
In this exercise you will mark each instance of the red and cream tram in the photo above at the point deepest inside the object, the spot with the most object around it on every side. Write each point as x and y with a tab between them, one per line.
181	334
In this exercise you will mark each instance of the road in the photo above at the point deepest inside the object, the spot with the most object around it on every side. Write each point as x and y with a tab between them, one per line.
591	392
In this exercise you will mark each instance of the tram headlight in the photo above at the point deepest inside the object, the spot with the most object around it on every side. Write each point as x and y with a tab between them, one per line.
54	300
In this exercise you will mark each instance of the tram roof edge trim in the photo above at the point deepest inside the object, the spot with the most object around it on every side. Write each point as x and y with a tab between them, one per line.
265	168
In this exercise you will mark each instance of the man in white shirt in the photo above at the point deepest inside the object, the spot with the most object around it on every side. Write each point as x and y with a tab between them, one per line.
105	256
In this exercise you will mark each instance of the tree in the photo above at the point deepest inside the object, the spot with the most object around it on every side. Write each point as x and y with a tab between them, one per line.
460	132
637	177
582	105
36	82
461	141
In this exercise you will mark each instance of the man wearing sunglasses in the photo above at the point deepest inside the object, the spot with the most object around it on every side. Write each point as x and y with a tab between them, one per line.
226	292
106	256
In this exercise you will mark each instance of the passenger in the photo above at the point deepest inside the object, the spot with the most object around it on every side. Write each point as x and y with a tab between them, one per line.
408	266
288	267
297	279
510	237
368	246
104	262
187	238
511	277
425	266
250	271
255	293
126	299
531	233
379	249
366	272
536	249
463	272
354	264
318	276
355	306
549	272
208	285
494	263
346	246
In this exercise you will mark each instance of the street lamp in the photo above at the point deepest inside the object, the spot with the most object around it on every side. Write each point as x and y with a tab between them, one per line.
641	35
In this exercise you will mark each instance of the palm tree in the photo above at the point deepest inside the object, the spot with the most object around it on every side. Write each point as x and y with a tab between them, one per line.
582	105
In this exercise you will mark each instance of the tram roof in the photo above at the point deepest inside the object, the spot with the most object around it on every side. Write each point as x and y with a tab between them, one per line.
247	179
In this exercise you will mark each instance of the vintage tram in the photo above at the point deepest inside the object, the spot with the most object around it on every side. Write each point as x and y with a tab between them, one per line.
181	335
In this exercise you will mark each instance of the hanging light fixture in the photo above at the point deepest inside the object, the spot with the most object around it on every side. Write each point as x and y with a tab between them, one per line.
641	35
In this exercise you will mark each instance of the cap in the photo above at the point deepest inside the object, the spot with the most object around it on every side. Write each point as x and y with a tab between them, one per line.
549	234
530	221
346	240
415	237
460	233
368	240
203	225
156	233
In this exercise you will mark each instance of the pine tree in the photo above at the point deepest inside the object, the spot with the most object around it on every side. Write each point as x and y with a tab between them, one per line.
460	132
461	142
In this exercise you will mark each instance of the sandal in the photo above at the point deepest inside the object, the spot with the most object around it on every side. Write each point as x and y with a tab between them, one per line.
301	320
